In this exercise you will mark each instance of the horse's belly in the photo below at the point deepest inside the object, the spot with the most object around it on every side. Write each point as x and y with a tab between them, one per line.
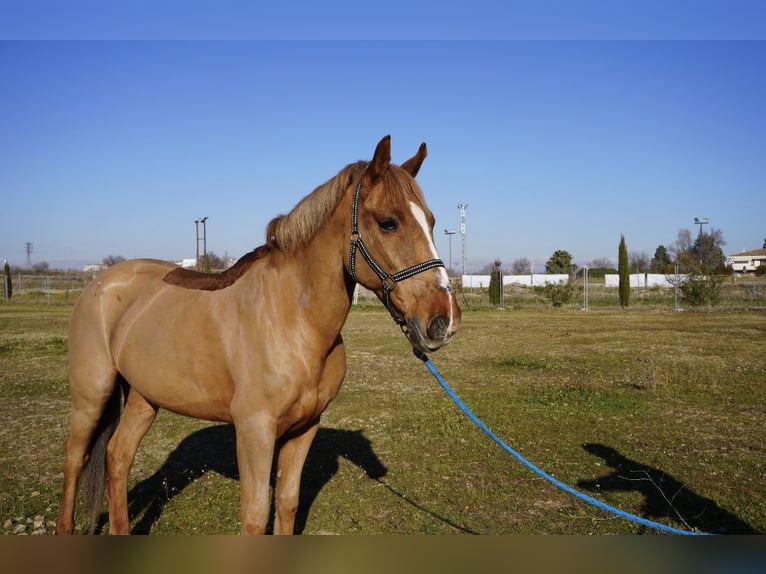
195	384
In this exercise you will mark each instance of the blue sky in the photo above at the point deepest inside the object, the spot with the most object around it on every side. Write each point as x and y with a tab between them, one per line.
116	147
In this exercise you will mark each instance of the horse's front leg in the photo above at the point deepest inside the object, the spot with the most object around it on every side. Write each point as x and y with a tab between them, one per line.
292	456
293	453
255	452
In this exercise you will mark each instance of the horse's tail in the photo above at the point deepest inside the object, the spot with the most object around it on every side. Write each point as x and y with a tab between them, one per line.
94	473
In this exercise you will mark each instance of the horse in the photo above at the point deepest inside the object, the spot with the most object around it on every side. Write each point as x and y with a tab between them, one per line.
258	345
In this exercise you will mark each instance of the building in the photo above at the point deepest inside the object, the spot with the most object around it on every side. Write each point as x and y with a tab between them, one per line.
747	261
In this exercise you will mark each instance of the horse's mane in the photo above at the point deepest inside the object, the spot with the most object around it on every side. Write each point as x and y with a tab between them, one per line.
214	281
290	232
294	230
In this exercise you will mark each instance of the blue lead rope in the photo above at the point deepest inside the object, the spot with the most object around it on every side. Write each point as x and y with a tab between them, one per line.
565	487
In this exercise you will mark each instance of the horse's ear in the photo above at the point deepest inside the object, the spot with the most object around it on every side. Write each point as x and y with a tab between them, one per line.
381	159
412	165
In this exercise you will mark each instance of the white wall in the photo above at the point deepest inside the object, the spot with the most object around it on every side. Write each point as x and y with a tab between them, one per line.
482	281
641	280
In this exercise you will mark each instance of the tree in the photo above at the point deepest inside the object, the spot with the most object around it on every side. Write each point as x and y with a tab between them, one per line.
701	290
560	262
598	268
110	260
638	261
41	267
521	266
708	249
214	262
8	289
704	254
496	284
683	251
661	262
601	263
624	272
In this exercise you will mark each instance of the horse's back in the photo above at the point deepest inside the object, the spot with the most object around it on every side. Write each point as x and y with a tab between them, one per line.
133	271
113	293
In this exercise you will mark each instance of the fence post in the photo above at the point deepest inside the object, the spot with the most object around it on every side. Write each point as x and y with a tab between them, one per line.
585	287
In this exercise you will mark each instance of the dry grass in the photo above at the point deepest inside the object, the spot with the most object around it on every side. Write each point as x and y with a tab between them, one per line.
639	408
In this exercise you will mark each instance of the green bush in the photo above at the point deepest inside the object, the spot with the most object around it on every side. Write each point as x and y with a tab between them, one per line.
702	290
557	293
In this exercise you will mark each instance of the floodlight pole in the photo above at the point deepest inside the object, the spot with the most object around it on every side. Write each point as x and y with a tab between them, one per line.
449	233
701	221
462	207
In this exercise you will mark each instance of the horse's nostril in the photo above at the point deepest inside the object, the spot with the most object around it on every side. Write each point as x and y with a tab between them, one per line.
437	328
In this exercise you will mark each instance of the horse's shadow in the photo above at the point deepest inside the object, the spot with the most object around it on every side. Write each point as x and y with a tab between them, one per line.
664	496
214	449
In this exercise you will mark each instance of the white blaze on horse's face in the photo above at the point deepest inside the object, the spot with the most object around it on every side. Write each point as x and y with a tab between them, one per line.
437	330
420	217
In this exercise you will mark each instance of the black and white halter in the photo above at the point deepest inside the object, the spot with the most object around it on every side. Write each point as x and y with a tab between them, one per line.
388	280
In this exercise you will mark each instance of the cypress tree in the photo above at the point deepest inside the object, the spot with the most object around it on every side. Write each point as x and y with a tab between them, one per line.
624	273
8	287
496	284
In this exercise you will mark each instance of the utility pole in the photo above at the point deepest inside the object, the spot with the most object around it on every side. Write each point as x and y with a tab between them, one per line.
203	238
29	248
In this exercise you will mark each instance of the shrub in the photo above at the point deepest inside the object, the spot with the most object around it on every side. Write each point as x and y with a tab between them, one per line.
700	290
558	293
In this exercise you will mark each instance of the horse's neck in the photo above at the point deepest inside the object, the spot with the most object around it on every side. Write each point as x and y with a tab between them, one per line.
322	271
322	266
311	285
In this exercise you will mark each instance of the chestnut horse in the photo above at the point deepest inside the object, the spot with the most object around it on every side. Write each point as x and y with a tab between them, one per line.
258	345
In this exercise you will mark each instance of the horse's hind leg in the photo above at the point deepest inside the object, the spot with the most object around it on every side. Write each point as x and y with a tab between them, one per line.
136	419
88	408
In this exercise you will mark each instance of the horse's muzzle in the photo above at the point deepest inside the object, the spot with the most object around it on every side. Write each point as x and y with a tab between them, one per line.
435	332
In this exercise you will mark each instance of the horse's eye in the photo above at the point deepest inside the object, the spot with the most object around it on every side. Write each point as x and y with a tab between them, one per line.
389	224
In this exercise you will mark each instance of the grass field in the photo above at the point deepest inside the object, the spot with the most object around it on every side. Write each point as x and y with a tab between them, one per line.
659	413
